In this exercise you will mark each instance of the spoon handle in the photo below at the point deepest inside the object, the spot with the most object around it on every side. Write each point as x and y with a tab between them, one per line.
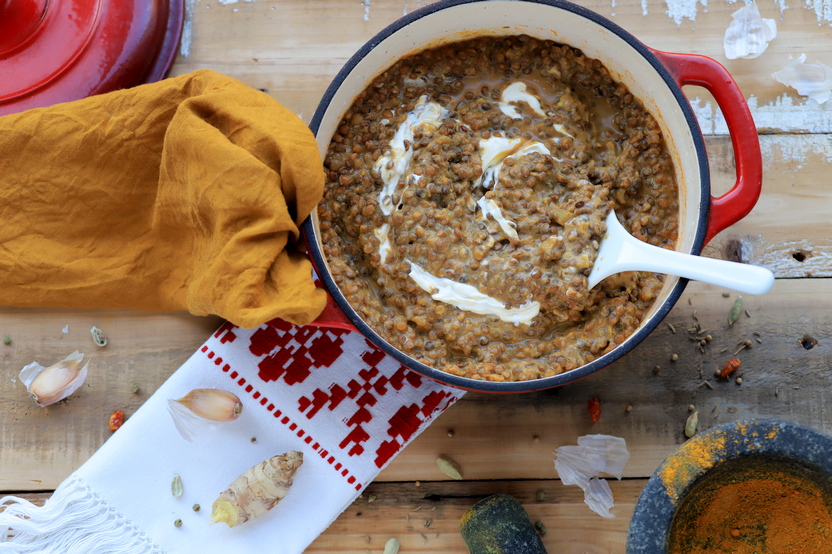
749	279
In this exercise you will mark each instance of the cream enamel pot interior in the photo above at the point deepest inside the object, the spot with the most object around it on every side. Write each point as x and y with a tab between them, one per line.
654	77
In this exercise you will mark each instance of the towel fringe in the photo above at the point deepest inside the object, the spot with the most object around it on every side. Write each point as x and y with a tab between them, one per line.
74	520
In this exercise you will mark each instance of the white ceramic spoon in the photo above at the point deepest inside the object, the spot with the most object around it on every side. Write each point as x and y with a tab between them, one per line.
620	251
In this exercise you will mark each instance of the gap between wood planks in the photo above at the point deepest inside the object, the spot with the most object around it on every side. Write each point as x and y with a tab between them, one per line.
425	518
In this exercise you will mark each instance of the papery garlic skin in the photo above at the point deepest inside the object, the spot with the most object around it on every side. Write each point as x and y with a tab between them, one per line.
203	408
598	496
576	465
613	450
594	455
748	34
809	79
47	385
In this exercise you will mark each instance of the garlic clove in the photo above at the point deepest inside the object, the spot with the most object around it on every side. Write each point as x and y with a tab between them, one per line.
202	408
214	404
47	385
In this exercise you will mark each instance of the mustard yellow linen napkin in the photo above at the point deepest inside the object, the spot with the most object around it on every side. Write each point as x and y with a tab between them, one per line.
187	193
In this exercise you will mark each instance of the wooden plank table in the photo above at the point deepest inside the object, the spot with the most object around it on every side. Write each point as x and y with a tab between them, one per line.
292	49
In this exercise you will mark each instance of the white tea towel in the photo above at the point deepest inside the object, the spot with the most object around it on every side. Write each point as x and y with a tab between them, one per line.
328	393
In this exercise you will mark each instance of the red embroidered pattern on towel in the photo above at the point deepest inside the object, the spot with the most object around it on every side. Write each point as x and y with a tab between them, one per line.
351	403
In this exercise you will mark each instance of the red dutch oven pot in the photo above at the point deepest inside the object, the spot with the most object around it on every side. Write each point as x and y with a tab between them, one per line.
653	76
55	51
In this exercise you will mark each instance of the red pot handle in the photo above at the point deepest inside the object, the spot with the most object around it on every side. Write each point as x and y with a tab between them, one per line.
692	69
333	317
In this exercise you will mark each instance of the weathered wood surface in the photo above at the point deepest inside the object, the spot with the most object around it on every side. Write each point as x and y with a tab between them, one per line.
39	447
502	443
425	517
292	49
787	231
494	436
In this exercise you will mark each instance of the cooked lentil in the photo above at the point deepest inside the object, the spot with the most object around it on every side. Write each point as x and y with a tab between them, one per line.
446	168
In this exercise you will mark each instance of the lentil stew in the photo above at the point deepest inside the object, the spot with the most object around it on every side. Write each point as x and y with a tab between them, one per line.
466	194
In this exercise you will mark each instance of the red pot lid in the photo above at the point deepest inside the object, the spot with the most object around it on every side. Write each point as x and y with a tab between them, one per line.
55	51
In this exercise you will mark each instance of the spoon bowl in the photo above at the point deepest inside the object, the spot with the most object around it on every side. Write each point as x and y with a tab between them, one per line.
620	251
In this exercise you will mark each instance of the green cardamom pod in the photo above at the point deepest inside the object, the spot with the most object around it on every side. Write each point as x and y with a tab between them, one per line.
449	467
392	546
691	424
176	487
735	312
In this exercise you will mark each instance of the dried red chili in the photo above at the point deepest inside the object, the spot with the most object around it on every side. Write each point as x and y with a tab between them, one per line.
116	419
594	406
730	367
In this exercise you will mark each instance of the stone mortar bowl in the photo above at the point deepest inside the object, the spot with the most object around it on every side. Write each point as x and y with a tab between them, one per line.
708	460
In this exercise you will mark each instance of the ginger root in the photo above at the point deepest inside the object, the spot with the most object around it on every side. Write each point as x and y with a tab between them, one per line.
258	490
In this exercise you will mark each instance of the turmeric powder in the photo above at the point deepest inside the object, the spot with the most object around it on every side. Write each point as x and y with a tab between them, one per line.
705	451
755	505
701	454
